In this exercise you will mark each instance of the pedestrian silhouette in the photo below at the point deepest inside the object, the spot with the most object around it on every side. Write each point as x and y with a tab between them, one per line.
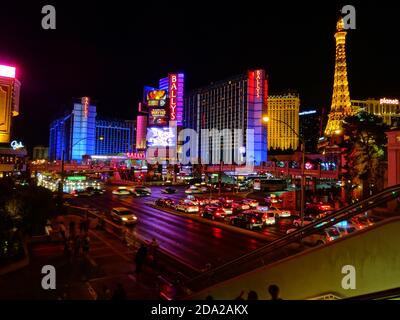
140	258
153	251
252	295
273	290
119	293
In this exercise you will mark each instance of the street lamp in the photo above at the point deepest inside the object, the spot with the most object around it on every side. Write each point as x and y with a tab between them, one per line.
267	119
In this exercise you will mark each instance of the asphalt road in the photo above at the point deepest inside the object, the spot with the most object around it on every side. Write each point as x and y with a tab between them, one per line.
193	242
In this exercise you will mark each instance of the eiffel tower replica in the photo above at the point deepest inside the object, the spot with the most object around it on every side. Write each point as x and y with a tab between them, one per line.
341	105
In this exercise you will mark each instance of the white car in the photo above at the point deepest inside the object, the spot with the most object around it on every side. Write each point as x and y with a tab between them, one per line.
279	213
140	191
123	215
121	191
269	219
307	220
187	206
192	190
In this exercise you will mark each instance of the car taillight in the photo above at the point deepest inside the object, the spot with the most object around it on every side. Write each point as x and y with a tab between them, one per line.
330	238
253	220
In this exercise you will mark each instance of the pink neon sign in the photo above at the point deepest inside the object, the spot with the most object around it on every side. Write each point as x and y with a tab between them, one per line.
7	71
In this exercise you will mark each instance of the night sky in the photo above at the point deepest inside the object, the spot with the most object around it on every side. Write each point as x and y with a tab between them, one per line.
109	51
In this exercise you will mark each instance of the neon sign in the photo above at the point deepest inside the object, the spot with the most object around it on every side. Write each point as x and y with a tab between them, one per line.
389	101
6	71
258	83
304	113
136	155
308	166
176	97
85	104
173	89
16	145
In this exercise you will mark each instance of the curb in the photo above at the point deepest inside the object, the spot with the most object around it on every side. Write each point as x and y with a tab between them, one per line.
214	223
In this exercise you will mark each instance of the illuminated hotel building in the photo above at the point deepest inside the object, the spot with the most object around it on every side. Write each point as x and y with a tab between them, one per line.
9	101
388	109
79	133
238	102
12	156
284	108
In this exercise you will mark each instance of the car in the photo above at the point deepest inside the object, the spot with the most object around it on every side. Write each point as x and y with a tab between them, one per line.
361	222
213	212
82	193
140	191
227	208
168	190
239	206
121	191
307	220
251	202
279	213
319	206
345	227
322	237
193	190
165	202
268	218
95	191
187	206
123	215
249	220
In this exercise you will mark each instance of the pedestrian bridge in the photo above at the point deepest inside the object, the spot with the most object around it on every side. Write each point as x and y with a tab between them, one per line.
320	272
273	168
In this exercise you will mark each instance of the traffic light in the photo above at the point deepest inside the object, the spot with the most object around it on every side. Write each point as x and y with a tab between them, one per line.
159	168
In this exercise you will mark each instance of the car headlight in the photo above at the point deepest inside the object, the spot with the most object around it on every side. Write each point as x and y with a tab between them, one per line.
124	219
134	218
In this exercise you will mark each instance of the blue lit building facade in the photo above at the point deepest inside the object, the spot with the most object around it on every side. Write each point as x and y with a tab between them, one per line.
79	133
115	136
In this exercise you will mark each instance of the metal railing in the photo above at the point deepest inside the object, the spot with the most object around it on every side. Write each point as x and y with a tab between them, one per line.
253	259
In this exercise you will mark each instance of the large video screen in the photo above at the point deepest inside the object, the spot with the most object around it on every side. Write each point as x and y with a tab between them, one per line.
161	137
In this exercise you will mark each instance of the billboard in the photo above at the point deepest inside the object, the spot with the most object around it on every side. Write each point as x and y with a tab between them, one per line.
156	98
158	116
161	137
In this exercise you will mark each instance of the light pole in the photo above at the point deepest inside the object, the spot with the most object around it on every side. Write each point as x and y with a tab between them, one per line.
267	119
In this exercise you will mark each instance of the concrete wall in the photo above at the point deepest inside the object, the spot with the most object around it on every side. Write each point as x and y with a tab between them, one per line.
375	253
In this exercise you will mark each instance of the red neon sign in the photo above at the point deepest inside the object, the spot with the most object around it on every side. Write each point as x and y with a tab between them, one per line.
173	89
136	155
258	83
7	72
85	103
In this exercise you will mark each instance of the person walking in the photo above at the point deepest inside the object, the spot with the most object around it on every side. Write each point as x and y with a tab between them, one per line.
140	258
